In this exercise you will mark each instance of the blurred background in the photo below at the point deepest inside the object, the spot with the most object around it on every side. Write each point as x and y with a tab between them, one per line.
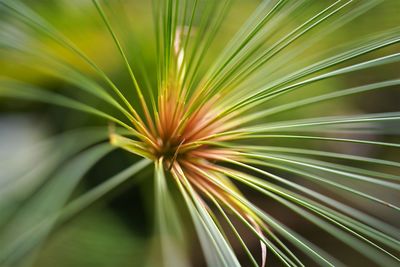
118	229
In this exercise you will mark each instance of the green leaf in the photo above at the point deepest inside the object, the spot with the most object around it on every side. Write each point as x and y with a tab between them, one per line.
16	241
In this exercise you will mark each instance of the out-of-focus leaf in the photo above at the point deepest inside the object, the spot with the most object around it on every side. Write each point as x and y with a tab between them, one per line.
27	228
